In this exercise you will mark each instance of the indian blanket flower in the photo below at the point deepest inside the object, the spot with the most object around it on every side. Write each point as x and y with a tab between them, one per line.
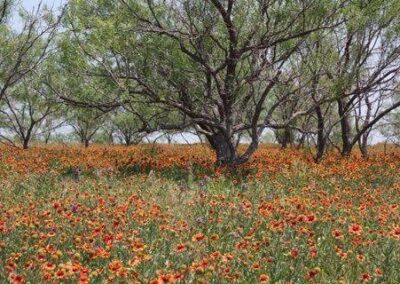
337	234
263	278
180	247
355	229
365	277
198	237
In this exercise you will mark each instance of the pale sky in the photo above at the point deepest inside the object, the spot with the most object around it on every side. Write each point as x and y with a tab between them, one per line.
29	4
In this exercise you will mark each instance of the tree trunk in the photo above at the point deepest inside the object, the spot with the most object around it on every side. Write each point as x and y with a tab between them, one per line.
363	141
25	144
86	143
287	137
47	139
363	145
302	140
347	146
321	139
224	149
27	137
111	138
127	139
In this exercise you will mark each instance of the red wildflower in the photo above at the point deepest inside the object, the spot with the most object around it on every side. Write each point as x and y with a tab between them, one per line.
355	229
198	237
263	278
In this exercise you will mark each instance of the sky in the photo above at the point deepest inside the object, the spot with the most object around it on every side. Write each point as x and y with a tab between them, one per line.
30	5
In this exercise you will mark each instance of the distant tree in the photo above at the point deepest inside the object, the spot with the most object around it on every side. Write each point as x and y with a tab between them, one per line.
85	123
362	64
352	70
50	125
25	108
128	127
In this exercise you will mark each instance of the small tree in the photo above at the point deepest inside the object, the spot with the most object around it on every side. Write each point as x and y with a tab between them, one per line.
24	110
129	128
85	123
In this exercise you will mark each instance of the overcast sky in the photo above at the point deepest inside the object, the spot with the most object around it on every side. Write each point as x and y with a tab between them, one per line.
29	4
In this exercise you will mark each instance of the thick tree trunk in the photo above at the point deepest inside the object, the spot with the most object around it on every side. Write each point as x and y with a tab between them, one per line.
347	146
224	149
27	137
25	144
86	142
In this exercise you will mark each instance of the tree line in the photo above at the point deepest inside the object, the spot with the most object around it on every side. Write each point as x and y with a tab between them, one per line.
319	74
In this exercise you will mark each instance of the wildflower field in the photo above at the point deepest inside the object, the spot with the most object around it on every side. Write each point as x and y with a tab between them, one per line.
164	214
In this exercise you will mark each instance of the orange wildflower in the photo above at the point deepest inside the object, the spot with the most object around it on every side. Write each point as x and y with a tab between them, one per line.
198	237
49	266
263	278
180	247
115	265
355	229
396	232
312	273
337	234
60	274
16	278
365	277
294	252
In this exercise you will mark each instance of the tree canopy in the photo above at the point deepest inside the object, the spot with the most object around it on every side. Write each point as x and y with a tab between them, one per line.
317	73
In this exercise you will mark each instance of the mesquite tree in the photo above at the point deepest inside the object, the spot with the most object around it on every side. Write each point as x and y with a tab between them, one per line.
85	123
23	111
364	66
216	63
128	128
22	51
353	73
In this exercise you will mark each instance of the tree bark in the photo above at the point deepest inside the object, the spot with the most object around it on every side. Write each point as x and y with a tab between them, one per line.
301	141
127	139
363	141
25	144
364	146
224	149
347	146
321	139
287	137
